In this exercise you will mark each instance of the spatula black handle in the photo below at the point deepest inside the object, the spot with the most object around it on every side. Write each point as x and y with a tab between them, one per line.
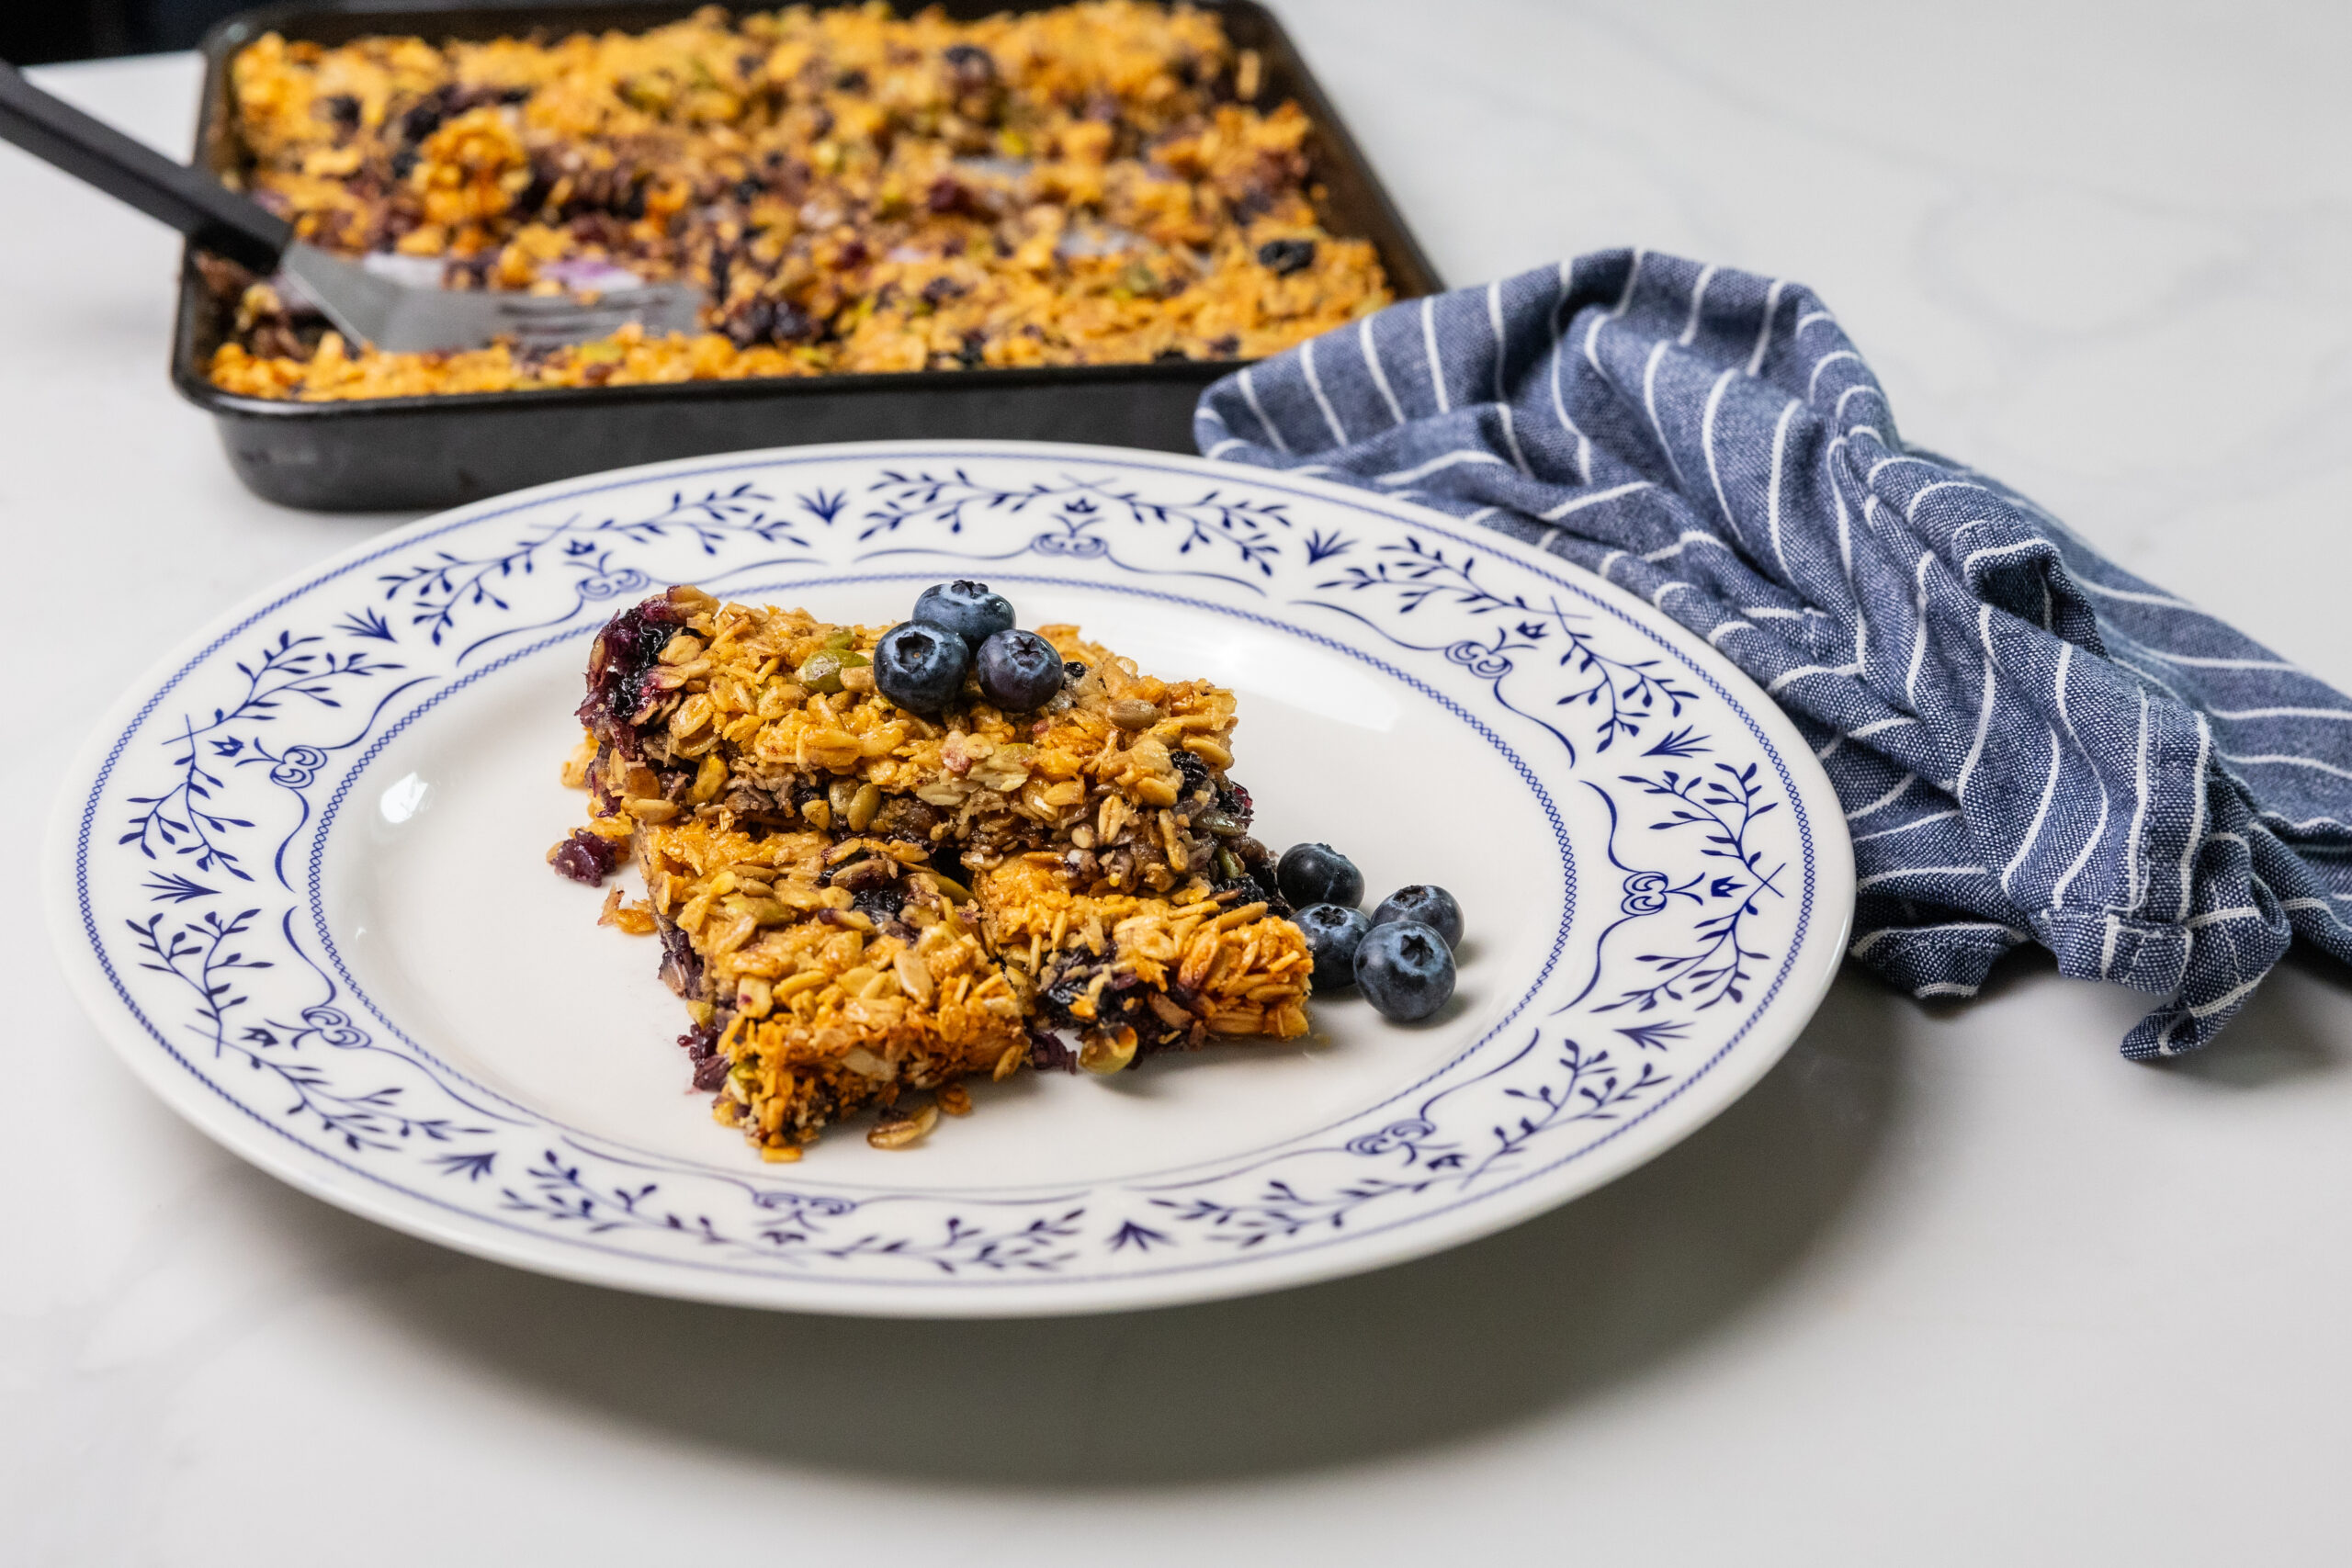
96	153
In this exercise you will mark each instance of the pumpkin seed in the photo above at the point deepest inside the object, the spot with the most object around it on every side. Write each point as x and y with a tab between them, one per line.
821	671
898	1133
1109	1050
863	807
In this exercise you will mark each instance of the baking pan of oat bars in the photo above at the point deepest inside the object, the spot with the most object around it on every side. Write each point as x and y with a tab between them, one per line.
786	372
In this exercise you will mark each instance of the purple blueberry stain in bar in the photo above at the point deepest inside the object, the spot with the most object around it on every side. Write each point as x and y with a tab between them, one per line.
627	651
586	858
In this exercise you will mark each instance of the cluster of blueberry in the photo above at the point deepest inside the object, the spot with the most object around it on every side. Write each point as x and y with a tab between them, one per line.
959	628
1401	958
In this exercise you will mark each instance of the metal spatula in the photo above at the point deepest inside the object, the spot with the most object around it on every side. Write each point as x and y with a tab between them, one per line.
363	306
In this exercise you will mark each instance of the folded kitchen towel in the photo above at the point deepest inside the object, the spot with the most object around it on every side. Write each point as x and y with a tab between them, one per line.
2031	743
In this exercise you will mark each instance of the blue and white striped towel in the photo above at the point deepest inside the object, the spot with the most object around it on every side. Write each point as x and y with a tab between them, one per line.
2030	741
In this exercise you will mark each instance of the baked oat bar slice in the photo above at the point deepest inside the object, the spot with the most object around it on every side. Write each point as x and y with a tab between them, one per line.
1131	975
824	977
770	716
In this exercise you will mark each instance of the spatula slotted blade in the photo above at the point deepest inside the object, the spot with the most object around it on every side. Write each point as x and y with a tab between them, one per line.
400	318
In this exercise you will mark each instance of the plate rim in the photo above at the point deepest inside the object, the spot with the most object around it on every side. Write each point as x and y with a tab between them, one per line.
236	1128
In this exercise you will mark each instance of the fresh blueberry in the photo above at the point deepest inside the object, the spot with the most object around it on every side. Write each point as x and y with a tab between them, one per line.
967	608
1333	931
1018	671
1317	873
1404	970
1433	907
920	667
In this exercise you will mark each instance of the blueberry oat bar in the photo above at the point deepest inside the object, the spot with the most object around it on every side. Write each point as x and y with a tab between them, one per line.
854	191
1132	974
808	1007
858	900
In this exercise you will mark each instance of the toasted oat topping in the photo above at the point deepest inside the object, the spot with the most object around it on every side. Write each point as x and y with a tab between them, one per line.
753	714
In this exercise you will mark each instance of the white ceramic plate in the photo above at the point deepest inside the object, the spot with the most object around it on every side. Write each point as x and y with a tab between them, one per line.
298	879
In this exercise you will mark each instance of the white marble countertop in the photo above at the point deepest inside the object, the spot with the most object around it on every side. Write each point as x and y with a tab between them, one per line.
1950	1287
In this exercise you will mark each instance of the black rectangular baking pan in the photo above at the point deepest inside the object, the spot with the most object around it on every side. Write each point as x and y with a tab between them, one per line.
421	452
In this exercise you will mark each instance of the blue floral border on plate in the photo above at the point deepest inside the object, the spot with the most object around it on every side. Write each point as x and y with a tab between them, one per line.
1398	1172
